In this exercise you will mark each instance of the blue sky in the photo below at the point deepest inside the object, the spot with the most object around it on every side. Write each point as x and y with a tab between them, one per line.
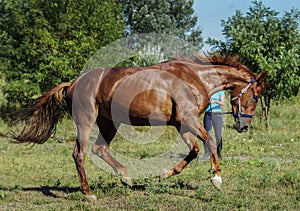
211	12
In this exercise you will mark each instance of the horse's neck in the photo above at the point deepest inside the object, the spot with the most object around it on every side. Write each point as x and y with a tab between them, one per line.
221	78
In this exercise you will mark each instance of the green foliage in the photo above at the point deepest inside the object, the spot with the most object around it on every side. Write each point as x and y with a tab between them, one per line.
147	56
47	42
2	194
172	17
266	41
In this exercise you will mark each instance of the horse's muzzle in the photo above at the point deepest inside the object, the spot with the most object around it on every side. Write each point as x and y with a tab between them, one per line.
241	127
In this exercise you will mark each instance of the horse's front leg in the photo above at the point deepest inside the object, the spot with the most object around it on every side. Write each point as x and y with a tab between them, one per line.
196	129
215	166
103	152
191	141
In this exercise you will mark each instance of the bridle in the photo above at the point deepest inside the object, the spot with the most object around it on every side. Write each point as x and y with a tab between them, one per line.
238	97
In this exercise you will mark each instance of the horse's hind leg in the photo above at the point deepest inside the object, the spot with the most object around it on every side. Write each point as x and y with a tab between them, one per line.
84	116
107	131
79	155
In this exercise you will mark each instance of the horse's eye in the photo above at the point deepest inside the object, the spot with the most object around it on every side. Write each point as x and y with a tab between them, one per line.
255	97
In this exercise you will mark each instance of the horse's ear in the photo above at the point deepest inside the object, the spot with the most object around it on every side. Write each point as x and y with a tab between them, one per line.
261	77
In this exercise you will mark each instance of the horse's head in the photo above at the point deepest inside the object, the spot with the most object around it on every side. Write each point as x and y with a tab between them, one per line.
244	100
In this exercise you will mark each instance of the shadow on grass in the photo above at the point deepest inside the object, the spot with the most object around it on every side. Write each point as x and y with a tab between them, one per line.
46	190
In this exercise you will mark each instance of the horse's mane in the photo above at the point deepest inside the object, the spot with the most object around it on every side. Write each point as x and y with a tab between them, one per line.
216	59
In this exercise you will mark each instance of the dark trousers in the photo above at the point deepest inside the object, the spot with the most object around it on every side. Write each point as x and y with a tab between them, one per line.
214	120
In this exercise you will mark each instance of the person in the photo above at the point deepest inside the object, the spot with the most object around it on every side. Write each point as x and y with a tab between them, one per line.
213	118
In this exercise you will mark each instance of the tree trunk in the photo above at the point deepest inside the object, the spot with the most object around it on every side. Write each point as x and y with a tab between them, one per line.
266	105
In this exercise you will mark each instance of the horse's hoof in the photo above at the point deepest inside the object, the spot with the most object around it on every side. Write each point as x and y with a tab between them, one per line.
217	182
126	181
163	174
95	149
91	198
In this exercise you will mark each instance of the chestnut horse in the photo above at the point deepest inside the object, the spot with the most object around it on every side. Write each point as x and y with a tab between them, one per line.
174	92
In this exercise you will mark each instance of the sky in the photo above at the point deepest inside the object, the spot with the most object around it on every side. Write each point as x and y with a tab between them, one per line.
211	12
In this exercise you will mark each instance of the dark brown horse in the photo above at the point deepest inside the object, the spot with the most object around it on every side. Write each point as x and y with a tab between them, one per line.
174	93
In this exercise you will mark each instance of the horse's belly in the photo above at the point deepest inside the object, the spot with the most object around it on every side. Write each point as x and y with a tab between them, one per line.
147	107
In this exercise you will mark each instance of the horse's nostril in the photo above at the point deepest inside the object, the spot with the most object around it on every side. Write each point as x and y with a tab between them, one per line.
237	124
245	128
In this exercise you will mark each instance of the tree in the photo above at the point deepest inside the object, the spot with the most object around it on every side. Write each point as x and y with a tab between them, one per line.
45	42
172	17
266	41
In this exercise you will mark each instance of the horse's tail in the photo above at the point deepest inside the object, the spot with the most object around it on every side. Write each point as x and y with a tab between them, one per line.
42	117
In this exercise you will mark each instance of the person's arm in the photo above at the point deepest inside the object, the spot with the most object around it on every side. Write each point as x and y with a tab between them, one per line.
221	102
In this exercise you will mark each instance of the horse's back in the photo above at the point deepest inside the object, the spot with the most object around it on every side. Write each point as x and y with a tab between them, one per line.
135	95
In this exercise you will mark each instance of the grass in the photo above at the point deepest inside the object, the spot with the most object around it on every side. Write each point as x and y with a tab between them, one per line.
260	171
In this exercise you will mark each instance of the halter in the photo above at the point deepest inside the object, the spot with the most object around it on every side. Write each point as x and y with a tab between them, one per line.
243	91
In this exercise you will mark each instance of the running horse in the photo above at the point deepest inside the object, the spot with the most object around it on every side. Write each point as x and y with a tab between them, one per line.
173	92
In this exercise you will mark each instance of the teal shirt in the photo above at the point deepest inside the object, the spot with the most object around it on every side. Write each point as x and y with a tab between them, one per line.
214	107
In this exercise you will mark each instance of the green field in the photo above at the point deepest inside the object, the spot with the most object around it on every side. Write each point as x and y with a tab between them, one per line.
260	171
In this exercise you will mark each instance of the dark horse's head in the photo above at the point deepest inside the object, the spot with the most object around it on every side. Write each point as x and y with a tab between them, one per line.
244	100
